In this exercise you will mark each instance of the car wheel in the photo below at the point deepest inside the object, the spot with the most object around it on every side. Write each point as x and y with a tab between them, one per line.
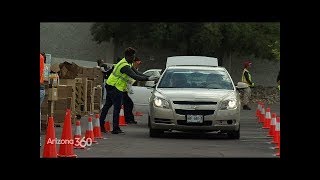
234	134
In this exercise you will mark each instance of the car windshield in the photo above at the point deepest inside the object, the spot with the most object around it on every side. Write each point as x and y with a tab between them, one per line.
192	78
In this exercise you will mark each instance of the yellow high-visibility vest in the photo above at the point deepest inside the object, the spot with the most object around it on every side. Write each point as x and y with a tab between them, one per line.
243	78
118	79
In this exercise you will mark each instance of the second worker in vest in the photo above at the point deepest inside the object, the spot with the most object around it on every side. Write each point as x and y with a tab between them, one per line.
127	101
117	82
246	78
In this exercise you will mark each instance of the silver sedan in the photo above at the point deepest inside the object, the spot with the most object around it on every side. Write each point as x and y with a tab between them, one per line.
195	98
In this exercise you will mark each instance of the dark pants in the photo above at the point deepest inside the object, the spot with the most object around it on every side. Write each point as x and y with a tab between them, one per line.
103	82
128	107
114	97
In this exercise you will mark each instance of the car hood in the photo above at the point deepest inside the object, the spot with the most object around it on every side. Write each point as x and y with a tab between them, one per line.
178	94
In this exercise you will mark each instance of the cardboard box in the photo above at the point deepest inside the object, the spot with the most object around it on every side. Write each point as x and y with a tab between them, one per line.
80	70
65	91
78	80
63	104
80	76
44	107
68	82
52	94
88	72
59	116
97	72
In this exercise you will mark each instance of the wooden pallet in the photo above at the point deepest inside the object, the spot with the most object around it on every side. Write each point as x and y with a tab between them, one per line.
96	107
85	92
71	82
79	97
78	80
89	95
97	99
44	122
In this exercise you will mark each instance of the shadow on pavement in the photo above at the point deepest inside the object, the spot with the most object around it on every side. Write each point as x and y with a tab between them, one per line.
194	135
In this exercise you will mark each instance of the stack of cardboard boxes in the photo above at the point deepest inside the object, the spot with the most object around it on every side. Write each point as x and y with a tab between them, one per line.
81	95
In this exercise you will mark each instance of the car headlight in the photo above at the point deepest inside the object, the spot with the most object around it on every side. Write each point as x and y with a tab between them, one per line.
228	104
159	102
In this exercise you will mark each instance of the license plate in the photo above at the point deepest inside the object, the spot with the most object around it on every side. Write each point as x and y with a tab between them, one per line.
194	119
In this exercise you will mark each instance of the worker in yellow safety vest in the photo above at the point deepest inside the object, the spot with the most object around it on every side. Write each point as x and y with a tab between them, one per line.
117	85
246	78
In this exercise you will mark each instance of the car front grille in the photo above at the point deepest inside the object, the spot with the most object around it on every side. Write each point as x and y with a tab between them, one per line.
194	112
184	122
194	102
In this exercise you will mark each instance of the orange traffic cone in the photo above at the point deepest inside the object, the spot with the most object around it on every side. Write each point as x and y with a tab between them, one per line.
96	128
50	150
276	137
66	145
278	153
107	126
89	132
278	146
262	115
122	121
258	110
272	125
266	124
77	137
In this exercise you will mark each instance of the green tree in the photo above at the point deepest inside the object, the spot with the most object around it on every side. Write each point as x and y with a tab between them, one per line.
247	39
221	40
275	48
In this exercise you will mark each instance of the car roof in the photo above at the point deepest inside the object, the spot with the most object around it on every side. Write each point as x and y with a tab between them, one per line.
197	67
154	70
191	61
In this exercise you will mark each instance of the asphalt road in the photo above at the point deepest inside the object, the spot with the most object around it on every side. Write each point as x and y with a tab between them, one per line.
136	142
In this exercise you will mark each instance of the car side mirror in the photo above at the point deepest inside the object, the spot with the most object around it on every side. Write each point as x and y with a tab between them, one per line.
150	84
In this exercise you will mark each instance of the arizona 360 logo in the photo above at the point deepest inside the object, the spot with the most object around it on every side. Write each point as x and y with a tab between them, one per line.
78	142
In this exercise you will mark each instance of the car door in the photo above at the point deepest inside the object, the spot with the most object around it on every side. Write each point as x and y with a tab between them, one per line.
141	93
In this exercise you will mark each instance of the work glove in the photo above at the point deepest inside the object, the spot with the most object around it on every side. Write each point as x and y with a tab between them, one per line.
152	78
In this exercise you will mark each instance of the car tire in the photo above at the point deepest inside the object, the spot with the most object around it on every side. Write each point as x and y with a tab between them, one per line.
234	134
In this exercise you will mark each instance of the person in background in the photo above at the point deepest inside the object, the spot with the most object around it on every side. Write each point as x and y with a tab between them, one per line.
104	68
246	78
136	63
42	86
127	101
